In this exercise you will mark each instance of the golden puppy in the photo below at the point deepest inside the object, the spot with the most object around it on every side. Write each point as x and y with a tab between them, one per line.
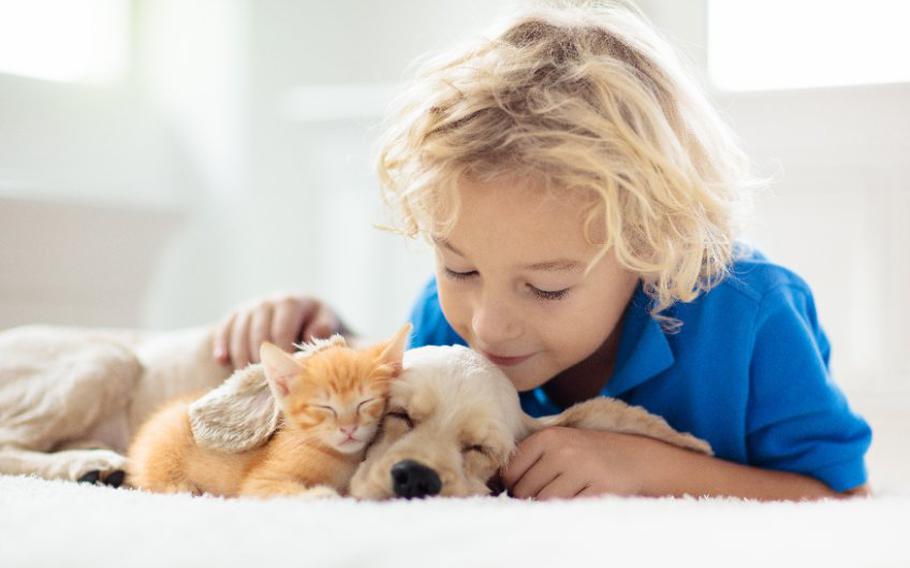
454	418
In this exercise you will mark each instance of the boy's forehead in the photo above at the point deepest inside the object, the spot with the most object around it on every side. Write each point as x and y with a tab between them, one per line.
546	225
560	264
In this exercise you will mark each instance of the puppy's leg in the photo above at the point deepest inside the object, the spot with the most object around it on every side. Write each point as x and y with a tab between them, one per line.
263	487
67	464
614	415
113	478
85	445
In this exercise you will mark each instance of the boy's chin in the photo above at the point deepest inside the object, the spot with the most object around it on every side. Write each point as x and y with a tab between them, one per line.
523	381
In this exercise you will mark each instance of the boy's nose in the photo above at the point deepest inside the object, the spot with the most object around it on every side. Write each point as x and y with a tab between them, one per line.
493	326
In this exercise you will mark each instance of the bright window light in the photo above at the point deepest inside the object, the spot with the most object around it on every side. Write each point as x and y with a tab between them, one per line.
787	44
64	40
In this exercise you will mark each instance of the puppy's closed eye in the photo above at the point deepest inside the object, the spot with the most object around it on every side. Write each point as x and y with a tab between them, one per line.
401	415
476	448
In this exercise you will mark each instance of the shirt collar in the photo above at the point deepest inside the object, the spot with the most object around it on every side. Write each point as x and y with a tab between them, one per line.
644	351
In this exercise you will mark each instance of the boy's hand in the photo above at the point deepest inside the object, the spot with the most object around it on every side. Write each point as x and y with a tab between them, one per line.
281	319
568	462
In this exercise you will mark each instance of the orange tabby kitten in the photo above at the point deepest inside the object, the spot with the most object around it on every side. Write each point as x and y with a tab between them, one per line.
331	402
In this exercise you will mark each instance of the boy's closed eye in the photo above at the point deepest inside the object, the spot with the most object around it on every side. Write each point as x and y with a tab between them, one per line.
537	292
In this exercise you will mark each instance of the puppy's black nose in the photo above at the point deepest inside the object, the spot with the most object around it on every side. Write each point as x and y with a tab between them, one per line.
411	479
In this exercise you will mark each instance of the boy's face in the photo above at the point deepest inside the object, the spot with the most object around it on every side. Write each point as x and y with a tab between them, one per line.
512	282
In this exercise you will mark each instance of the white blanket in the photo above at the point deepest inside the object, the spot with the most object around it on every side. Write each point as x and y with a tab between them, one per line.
57	523
60	523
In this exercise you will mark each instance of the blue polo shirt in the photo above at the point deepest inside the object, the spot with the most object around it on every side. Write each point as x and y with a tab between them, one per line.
748	372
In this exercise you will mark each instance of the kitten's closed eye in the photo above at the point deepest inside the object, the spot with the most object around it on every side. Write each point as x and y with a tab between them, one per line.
325	409
370	404
370	410
363	403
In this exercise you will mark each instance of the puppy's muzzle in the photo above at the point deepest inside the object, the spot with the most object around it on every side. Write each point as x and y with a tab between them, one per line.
411	479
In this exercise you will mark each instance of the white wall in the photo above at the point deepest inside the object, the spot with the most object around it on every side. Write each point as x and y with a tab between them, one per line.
837	206
837	213
241	149
299	213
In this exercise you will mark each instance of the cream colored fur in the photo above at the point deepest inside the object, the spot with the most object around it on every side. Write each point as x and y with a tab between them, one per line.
71	398
458	399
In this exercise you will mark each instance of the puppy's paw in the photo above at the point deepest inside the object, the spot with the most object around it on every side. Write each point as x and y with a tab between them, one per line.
113	479
93	466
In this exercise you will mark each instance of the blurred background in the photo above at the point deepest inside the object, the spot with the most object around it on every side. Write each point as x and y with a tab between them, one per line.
162	161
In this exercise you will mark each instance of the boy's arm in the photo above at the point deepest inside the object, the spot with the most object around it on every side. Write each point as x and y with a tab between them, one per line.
560	462
684	472
797	419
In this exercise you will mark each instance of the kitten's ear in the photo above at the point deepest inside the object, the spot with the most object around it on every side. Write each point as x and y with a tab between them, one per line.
280	368
392	353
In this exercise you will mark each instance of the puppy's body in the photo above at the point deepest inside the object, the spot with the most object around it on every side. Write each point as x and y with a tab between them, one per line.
452	412
454	419
72	398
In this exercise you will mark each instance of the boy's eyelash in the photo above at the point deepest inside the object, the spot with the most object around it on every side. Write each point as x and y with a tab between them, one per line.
548	295
540	294
459	275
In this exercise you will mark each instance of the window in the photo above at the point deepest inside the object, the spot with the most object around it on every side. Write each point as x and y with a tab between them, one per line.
64	40
786	44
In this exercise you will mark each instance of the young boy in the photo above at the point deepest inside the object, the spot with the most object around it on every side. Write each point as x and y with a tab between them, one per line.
581	196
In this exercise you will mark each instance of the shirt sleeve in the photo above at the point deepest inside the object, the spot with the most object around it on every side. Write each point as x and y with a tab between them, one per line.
430	325
798	420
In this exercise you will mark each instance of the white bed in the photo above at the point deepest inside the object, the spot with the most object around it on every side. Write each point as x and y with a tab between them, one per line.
56	523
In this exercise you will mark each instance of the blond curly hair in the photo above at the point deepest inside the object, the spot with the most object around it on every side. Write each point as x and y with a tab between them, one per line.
585	100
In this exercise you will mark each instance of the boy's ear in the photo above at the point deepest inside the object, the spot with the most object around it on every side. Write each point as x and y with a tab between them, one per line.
392	354
280	369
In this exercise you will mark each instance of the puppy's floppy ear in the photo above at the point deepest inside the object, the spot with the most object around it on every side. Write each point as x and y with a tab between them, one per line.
391	353
529	425
613	415
239	415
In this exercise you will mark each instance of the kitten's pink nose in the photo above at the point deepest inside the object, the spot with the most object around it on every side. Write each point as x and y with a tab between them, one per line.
349	430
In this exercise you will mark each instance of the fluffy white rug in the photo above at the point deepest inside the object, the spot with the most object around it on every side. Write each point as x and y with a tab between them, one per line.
55	523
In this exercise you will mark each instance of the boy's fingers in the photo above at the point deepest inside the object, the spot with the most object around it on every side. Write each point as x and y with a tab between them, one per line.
588	491
222	340
525	456
286	323
538	476
323	324
239	343
563	487
260	330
